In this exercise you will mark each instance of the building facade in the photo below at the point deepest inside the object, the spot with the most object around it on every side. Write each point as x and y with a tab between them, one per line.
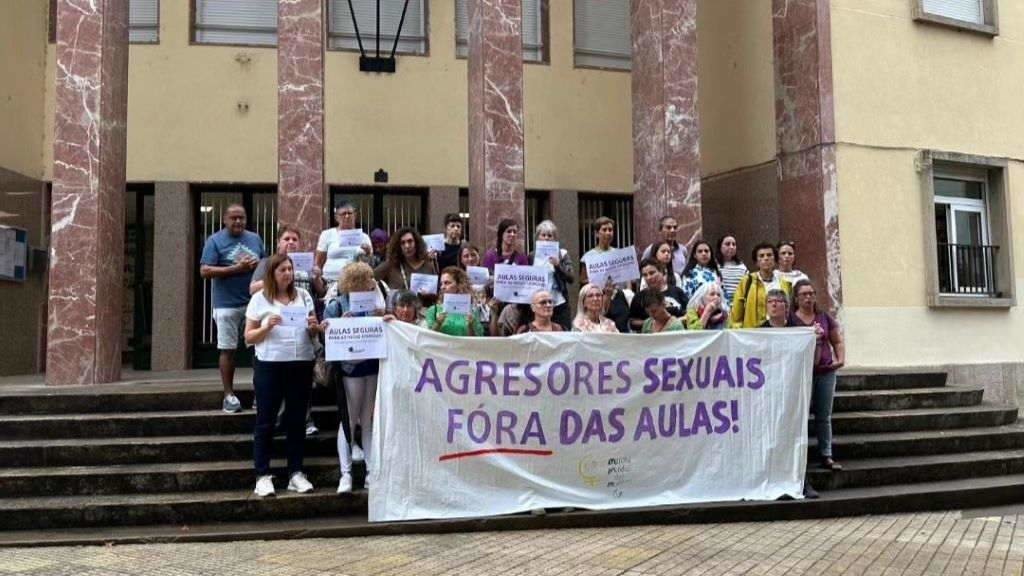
881	135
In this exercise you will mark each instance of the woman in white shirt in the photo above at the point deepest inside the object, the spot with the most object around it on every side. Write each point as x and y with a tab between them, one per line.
280	322
787	258
342	244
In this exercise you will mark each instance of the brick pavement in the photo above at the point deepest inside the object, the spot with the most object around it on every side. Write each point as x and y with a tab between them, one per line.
934	543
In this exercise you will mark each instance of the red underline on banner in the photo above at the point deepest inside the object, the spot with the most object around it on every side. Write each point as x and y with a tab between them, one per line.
521	451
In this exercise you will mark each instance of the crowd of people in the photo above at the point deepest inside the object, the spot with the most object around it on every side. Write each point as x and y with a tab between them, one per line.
696	287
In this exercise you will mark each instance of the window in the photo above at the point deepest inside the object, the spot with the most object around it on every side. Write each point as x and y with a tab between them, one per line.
533	24
342	30
537	210
143	21
617	207
602	34
975	15
968	230
245	22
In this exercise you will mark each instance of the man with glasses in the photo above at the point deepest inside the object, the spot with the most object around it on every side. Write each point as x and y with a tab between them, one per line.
228	260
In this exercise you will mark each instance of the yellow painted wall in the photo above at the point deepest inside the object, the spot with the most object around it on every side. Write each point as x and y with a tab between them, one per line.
23	30
183	121
918	86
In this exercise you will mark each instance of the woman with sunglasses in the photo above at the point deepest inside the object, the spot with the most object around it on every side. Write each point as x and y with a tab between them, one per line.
543	307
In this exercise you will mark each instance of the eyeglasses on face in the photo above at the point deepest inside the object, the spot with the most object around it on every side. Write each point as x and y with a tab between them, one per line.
546	303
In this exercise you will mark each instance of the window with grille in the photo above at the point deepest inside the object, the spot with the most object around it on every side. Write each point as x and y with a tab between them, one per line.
533	23
342	29
143	21
602	34
966	258
244	22
385	208
615	206
537	210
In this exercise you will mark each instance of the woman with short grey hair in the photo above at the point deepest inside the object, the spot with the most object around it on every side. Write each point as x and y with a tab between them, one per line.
561	273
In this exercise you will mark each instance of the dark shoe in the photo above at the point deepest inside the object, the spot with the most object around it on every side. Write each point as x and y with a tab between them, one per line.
829	464
809	492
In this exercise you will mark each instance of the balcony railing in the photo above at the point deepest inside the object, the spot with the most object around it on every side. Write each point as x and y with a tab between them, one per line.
968	270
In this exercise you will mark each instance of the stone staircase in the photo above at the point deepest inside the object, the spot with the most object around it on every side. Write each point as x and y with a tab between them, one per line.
75	463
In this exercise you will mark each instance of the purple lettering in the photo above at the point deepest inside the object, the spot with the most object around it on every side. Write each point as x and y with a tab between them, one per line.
666	422
652	377
645	425
620	369
615	420
583	373
504	423
595	427
428	375
754	366
509	370
481	417
604	375
463	379
668	370
701	418
534	430
532	379
718	411
453	423
723	373
570	428
560	367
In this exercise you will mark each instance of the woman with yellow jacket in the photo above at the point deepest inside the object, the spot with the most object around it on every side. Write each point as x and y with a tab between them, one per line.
749	307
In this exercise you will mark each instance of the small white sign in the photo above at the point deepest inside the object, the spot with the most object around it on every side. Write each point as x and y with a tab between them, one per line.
302	261
518	283
359	302
618	264
456	303
353	237
434	242
294	316
423	283
349	339
543	251
478	275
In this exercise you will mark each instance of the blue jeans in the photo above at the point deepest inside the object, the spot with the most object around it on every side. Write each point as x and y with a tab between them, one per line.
822	391
275	382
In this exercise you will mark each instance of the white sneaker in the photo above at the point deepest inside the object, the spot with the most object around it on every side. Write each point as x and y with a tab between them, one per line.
231	405
345	484
264	486
312	430
357	454
299	483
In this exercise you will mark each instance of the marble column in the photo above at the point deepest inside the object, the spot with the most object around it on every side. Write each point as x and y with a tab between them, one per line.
805	139
87	233
496	146
300	117
666	130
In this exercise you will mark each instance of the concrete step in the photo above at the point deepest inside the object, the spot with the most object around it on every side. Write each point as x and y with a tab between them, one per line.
180	508
925	442
351	521
909	469
945	397
872	421
894	381
171	396
158	478
136	424
151	450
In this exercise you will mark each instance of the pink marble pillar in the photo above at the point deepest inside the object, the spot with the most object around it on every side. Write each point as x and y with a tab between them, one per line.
805	128
300	117
666	130
496	147
87	234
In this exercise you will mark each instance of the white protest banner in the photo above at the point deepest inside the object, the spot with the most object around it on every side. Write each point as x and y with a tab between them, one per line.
294	316
423	283
303	261
456	303
619	264
478	275
353	237
518	283
434	242
543	251
362	301
349	339
468	427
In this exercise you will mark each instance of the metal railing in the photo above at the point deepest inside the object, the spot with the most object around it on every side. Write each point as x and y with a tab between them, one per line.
968	269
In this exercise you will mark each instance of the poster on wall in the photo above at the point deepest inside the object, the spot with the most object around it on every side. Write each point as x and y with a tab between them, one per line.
13	254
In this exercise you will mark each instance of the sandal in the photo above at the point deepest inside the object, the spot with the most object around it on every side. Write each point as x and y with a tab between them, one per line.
829	464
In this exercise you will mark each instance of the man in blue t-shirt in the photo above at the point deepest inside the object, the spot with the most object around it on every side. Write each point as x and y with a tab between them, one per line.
229	258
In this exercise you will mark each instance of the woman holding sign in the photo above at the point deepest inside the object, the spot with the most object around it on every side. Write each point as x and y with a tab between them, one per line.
454	314
342	244
280	322
506	251
556	260
358	295
408	265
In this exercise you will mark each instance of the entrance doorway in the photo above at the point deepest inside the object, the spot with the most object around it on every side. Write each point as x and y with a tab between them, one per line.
260	204
137	306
